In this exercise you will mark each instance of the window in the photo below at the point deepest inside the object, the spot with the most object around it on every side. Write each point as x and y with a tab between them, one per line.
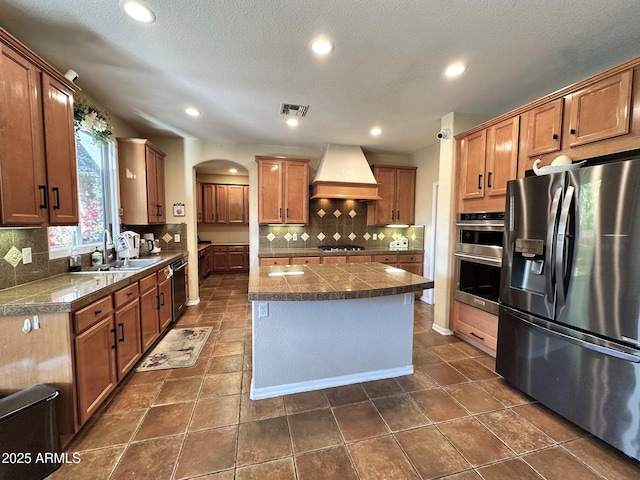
97	204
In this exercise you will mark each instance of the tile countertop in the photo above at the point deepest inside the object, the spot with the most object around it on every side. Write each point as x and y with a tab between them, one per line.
331	282
70	291
315	252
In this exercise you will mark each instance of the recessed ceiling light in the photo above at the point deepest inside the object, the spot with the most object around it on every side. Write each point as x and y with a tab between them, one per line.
138	11
322	46
293	122
375	131
455	70
194	112
233	170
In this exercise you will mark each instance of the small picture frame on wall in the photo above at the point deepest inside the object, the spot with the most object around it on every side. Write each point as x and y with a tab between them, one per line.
178	210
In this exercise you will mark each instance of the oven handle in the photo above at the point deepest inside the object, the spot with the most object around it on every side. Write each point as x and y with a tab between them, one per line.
179	267
494	262
481	226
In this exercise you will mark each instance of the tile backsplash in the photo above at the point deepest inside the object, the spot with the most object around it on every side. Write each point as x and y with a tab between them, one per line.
14	272
336	222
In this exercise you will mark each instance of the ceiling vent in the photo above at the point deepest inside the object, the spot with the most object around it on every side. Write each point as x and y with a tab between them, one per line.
294	110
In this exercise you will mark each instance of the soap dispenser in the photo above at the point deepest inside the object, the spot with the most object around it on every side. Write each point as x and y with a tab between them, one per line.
75	262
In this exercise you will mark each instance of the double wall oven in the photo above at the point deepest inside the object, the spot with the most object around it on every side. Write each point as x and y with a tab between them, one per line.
478	258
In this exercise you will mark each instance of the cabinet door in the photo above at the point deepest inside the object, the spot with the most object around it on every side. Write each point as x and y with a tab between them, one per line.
209	202
152	187
235	204
23	189
161	204
198	194
472	160
269	191
149	324
238	258
405	193
600	111
220	259
129	350
544	128
96	375
222	204
60	151
245	207
502	156
384	211
164	290
296	192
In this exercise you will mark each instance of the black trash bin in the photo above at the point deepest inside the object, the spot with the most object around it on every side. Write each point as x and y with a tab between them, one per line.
29	443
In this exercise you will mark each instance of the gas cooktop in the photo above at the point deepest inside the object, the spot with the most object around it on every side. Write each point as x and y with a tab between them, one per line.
340	248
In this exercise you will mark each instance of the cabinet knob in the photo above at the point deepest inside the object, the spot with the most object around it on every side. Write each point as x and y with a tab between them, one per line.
555	136
572	131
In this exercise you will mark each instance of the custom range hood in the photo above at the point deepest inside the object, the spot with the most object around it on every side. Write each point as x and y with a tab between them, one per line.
344	172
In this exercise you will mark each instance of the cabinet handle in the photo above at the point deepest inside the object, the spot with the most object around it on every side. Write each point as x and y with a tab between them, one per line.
398	214
555	136
480	182
572	131
56	192
43	189
158	301
97	312
129	294
115	339
121	325
280	212
287	212
162	301
477	336
393	214
489	179
159	210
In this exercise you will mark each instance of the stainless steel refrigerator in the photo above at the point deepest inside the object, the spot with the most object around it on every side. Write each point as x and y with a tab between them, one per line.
569	318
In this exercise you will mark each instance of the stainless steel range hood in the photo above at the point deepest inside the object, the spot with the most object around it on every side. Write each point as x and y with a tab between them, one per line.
344	172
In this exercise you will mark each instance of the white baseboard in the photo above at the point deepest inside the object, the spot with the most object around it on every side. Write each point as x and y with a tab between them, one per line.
276	391
442	331
193	303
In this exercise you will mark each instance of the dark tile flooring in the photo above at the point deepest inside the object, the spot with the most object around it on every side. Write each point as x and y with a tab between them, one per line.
453	418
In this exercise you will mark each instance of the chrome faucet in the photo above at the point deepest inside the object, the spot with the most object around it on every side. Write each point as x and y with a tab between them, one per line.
107	244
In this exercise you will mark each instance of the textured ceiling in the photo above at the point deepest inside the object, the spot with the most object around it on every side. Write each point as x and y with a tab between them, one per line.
238	60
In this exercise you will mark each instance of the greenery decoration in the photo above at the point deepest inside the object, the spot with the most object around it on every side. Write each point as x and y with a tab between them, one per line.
90	119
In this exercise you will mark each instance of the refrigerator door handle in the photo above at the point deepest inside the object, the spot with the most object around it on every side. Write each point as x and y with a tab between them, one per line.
551	239
561	238
576	341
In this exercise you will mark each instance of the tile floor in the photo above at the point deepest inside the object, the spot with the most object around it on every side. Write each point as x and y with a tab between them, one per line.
453	418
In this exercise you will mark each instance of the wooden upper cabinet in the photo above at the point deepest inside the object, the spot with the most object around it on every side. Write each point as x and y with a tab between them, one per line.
601	110
235	203
209	203
283	190
224	203
38	183
472	149
142	190
502	156
397	191
245	195
544	128
199	206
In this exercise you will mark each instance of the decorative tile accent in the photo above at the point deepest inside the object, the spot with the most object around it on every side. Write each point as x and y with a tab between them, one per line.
287	236
353	213
366	236
413	237
321	213
337	236
381	236
321	236
271	237
352	236
13	256
337	213
305	236
395	236
167	237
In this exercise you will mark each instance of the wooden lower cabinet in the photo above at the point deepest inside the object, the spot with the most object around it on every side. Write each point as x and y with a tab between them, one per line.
305	261
238	258
337	259
149	303
411	263
390	259
359	259
266	262
220	254
476	326
128	346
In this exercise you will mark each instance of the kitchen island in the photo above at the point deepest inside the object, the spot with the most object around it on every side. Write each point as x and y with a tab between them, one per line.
319	326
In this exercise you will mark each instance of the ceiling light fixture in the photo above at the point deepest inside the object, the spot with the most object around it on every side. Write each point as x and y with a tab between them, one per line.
375	131
233	170
194	112
322	46
138	11
293	122
455	69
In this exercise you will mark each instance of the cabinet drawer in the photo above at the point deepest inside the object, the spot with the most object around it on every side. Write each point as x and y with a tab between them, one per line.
339	259
305	261
359	259
477	319
388	259
220	248
90	314
148	282
163	274
237	249
407	258
265	262
125	295
477	334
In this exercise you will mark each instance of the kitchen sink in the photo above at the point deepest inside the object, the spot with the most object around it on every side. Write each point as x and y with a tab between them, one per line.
131	265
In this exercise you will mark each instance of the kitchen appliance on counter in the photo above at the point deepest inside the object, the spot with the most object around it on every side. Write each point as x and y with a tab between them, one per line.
569	319
478	259
340	248
128	245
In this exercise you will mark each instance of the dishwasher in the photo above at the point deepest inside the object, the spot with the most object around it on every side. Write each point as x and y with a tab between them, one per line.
178	288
